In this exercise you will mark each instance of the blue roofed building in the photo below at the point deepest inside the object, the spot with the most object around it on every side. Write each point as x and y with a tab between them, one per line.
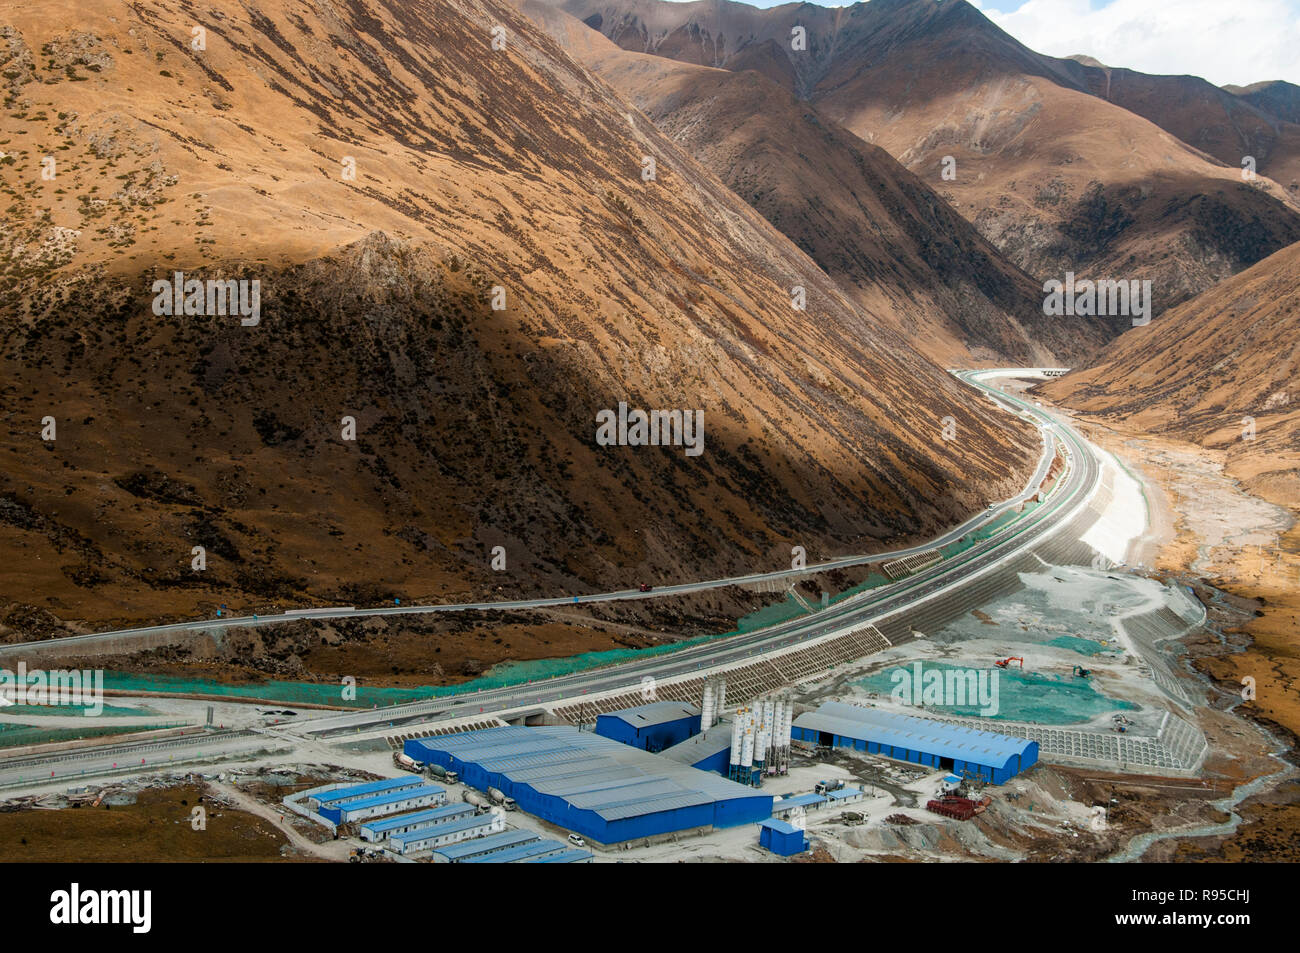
782	838
784	807
392	802
483	846
602	789
437	836
708	750
384	827
344	793
846	795
651	727
520	852
965	751
570	855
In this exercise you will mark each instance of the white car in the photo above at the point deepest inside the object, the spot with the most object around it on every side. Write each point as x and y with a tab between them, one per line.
577	841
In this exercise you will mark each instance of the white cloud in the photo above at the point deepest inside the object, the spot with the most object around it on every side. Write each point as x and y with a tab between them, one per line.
1224	41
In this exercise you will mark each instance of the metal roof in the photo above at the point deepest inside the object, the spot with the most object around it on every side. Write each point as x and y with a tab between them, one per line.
391	798
781	827
370	787
842	793
611	779
381	824
472	848
798	800
700	746
915	734
466	823
569	856
655	713
521	852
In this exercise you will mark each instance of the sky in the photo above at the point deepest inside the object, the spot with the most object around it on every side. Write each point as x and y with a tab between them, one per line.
1225	41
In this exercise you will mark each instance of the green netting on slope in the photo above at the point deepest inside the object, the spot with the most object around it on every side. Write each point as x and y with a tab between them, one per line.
505	675
987	531
14	735
289	693
771	615
113	710
872	581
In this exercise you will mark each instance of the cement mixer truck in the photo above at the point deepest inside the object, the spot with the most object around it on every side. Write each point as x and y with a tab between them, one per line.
438	772
405	762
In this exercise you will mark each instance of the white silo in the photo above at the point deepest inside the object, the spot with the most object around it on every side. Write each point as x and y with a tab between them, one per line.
722	695
778	719
747	751
706	709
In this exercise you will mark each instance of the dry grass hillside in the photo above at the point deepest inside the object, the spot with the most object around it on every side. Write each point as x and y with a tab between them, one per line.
892	243
1055	176
1260	123
474	169
1222	371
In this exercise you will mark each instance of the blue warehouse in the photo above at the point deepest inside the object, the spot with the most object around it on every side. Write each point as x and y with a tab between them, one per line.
604	790
651	727
709	750
960	749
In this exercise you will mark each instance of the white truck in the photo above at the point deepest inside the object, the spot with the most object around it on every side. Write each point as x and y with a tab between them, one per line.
406	763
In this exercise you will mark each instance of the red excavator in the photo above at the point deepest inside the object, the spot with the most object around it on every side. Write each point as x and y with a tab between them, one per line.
1006	662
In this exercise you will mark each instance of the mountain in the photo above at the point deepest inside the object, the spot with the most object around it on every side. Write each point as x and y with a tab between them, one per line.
1219	370
889	240
1053	174
1259	123
389	178
1274	98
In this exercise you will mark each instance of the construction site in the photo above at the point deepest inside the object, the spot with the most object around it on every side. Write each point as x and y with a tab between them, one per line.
1045	708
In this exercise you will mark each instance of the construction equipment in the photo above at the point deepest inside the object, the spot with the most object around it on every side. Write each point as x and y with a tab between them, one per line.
825	787
406	763
958	808
1006	662
441	773
1081	672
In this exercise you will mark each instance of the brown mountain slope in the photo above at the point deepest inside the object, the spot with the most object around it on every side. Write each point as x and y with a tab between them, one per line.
886	237
1212	119
1220	370
1056	177
1275	98
475	427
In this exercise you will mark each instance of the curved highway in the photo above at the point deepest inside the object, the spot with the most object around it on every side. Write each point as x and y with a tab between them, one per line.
295	615
1068	497
875	604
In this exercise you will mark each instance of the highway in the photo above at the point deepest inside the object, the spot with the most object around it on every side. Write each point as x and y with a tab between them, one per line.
296	615
865	608
1070	495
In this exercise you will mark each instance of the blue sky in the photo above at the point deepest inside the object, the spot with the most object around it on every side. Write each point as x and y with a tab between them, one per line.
1224	41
